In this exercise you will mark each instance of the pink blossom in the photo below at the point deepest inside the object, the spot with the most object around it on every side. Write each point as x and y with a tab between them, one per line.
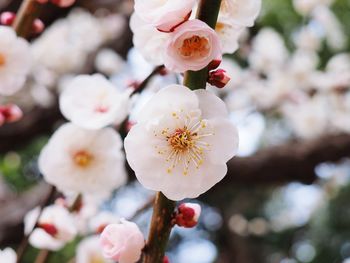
122	242
192	46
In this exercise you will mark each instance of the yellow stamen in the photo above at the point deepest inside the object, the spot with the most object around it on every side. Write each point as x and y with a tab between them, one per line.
2	60
83	159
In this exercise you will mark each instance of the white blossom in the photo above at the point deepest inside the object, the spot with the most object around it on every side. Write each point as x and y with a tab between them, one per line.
89	251
15	61
53	230
241	12
181	142
83	161
92	102
8	255
149	41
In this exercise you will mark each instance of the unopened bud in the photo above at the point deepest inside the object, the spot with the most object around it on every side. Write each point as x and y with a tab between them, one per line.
166	259
63	3
218	78
188	214
7	18
11	112
38	26
49	228
214	64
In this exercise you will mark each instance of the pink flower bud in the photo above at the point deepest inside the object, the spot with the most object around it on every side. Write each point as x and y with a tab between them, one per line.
214	64
192	46
218	78
166	259
122	242
49	228
11	112
38	26
63	3
7	18
188	214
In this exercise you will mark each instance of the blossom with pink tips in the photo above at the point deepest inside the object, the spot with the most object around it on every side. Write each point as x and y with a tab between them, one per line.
122	242
192	46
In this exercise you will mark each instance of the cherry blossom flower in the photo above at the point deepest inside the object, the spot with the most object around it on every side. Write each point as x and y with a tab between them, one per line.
8	255
147	40
53	230
83	161
192	46
181	142
269	51
89	251
122	242
229	34
164	15
15	61
92	102
241	12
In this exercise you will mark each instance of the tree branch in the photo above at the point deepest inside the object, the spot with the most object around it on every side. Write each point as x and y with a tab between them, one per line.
28	12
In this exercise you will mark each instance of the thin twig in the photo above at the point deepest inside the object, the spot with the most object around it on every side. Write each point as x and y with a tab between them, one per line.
145	82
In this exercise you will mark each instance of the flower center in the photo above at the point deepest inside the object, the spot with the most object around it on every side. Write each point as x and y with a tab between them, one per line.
83	158
2	60
219	27
96	259
186	145
194	46
181	140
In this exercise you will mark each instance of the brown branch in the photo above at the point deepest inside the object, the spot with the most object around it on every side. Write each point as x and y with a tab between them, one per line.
28	12
161	226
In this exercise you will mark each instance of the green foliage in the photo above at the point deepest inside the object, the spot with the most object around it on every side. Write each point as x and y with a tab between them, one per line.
19	168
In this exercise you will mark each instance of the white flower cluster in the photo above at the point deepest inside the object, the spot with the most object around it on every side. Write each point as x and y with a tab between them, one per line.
312	101
84	157
164	36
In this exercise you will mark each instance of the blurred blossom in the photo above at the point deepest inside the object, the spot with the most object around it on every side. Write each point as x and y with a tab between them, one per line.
53	228
109	62
89	251
268	51
304	251
238	224
8	255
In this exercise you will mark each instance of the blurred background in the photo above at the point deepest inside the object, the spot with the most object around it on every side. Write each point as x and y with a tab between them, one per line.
286	198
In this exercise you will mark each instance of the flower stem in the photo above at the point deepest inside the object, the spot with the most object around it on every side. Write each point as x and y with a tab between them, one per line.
208	12
161	226
27	13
